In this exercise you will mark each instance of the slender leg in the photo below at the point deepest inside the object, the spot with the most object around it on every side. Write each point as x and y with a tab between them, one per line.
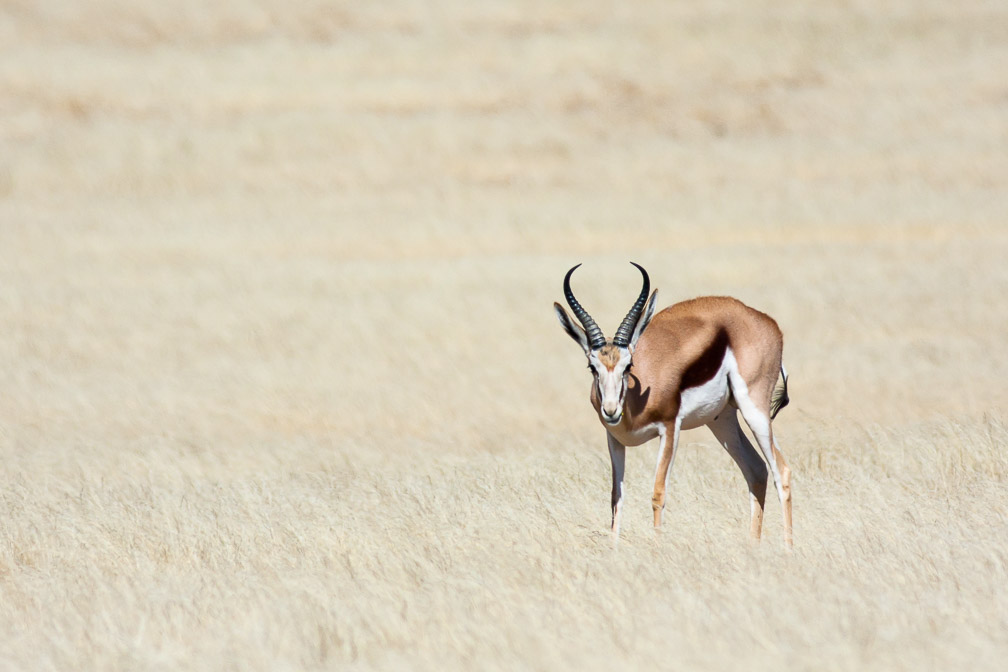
759	423
666	456
784	489
728	433
617	453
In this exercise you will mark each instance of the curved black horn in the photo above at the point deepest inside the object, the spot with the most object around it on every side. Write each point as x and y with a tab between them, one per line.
595	336
625	331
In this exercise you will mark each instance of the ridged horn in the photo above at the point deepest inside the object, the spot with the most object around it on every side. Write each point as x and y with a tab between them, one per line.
625	331
595	336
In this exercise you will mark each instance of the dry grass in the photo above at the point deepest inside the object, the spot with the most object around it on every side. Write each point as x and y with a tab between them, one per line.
280	386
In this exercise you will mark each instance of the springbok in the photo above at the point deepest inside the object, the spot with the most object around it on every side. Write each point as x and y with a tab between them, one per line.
694	363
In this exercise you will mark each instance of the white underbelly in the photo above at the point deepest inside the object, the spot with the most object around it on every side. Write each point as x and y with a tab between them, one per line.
701	404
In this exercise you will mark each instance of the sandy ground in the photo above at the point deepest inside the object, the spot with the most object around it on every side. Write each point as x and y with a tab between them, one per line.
280	383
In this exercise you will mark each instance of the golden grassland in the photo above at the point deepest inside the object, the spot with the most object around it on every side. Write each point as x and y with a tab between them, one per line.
280	383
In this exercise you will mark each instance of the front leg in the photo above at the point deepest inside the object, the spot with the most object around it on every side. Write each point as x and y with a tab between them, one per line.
617	453
667	443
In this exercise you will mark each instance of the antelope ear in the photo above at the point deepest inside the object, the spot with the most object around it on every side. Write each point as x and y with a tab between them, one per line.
572	328
644	320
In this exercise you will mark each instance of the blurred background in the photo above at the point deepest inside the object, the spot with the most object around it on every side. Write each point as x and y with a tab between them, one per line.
306	252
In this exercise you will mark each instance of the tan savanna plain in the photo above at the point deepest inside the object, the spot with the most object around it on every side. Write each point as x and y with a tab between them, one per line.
280	383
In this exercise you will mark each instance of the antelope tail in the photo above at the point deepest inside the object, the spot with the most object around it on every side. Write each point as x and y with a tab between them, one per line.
779	399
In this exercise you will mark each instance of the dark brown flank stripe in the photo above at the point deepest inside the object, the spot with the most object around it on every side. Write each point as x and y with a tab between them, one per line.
704	368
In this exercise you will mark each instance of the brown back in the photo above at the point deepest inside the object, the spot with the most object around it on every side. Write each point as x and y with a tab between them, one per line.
684	346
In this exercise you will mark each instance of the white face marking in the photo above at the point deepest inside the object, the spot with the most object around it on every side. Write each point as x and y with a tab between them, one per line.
611	385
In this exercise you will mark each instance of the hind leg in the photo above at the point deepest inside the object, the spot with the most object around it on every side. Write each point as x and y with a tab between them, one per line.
784	489
728	433
758	419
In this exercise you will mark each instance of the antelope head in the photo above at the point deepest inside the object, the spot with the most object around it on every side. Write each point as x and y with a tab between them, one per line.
609	361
